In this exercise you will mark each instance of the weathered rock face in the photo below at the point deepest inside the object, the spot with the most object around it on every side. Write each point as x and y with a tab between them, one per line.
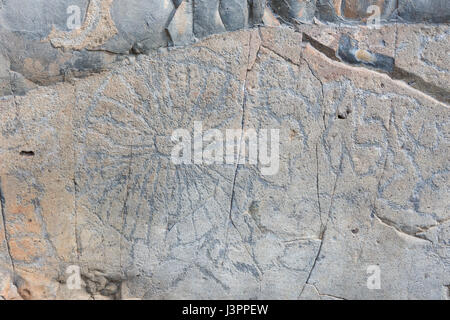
42	44
88	180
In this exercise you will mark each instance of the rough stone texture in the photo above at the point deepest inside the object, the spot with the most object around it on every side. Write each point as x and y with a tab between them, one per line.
428	68
86	177
294	10
416	54
36	45
424	10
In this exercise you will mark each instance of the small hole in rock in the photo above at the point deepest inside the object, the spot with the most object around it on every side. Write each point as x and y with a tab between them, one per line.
27	153
25	293
344	115
355	231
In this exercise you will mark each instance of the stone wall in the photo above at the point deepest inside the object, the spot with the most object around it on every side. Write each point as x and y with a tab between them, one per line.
88	181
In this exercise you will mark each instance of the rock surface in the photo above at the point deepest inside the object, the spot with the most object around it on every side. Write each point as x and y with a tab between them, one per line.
39	44
87	179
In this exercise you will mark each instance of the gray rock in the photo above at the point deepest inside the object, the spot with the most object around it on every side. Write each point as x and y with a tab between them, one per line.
256	11
350	52
207	19
141	22
5	86
234	14
181	27
177	2
35	18
424	10
294	10
326	11
36	39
